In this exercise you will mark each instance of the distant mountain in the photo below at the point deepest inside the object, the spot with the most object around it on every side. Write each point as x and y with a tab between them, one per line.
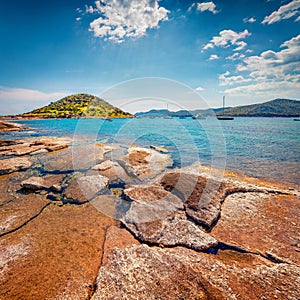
78	105
179	113
274	108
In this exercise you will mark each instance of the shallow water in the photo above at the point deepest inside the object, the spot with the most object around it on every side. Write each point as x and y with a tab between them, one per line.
259	147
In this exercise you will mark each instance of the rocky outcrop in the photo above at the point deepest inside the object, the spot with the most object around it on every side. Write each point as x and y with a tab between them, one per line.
262	223
9	126
55	256
34	147
145	163
112	170
141	272
14	164
85	188
39	183
156	217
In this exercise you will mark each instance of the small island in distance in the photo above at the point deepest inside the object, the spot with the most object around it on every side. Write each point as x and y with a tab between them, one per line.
75	106
274	108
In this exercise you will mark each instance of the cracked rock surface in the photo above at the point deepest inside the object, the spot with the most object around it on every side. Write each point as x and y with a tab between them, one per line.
187	233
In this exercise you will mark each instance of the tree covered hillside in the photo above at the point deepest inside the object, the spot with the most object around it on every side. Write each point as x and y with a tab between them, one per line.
78	105
274	108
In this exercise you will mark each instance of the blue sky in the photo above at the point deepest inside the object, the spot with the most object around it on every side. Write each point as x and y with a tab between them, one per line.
248	50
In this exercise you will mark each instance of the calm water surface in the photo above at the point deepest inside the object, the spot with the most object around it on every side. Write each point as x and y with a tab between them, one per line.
259	147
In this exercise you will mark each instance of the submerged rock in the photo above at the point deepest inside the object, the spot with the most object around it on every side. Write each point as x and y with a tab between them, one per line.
159	149
14	164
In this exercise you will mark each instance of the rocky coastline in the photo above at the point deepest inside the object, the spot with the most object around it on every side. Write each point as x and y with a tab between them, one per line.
92	221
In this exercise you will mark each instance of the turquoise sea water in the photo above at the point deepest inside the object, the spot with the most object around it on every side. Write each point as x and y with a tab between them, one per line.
259	147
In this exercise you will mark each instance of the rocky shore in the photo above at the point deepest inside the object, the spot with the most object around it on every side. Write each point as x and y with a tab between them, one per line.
93	221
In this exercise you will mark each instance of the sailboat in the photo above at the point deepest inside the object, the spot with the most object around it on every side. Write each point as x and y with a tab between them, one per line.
222	117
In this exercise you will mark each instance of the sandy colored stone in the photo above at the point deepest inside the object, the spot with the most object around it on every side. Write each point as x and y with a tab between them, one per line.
10	165
57	255
262	223
18	211
141	272
85	188
10	126
38	182
145	163
112	170
116	238
81	157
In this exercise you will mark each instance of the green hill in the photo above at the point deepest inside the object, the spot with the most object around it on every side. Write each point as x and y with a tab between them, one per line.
78	105
274	108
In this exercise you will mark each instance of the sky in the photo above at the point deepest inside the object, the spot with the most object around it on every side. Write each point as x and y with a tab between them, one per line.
247	50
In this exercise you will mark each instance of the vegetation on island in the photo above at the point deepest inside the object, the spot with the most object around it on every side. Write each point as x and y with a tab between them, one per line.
274	108
78	105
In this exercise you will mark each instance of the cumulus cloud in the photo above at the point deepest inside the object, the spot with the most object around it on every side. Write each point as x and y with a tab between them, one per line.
226	80
284	12
213	57
270	71
210	6
119	19
227	38
236	56
249	20
18	100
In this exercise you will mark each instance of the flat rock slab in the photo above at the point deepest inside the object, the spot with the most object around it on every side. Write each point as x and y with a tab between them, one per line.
85	188
32	147
265	223
112	170
141	272
172	231
145	163
57	255
10	165
116	238
20	210
9	126
38	183
80	157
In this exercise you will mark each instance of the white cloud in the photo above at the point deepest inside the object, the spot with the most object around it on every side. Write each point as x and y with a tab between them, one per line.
225	81
227	38
78	19
298	19
271	71
210	6
199	89
213	57
120	19
18	100
284	12
249	20
236	56
90	9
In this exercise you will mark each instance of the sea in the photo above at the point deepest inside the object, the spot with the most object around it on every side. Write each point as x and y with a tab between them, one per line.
265	148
